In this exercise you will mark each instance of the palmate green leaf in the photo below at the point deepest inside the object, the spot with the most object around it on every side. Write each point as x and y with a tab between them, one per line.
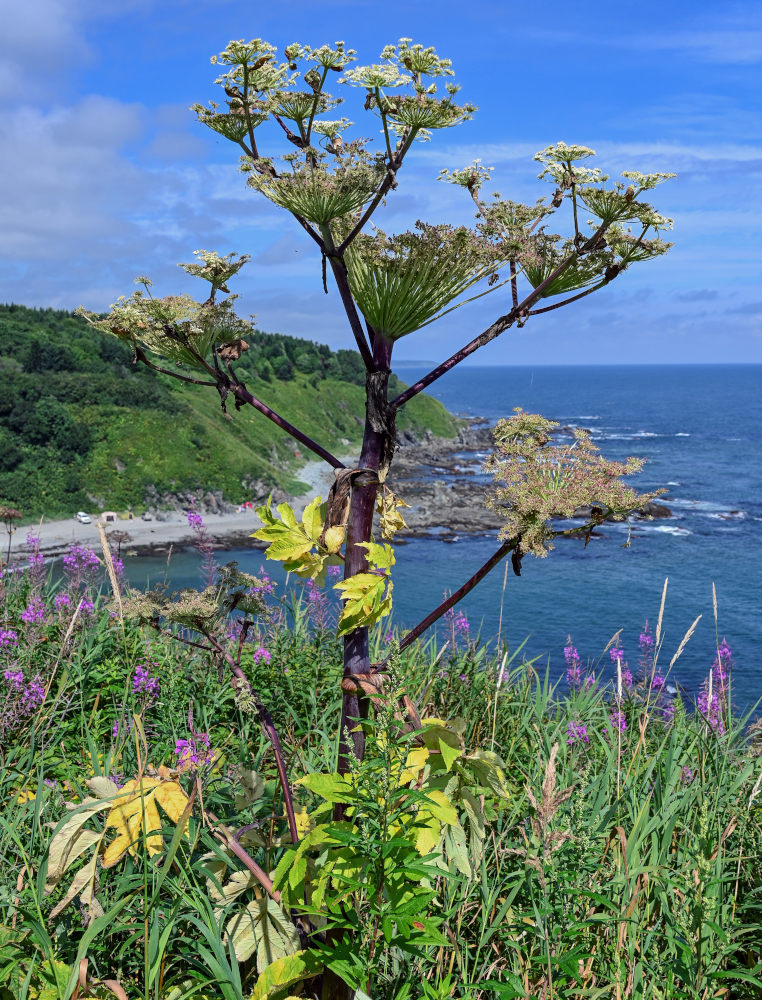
295	543
367	597
264	928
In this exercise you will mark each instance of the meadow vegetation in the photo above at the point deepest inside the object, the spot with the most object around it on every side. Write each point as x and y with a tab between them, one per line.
592	839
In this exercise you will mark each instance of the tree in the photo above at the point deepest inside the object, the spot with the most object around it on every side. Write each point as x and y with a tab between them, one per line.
391	286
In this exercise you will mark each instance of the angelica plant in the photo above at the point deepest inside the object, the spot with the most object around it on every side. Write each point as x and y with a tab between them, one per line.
295	151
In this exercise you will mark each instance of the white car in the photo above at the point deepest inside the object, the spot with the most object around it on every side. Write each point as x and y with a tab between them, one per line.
82	517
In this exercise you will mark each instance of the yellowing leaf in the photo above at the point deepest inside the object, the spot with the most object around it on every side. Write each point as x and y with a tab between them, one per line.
135	811
429	830
71	841
440	806
304	822
414	764
262	927
390	518
312	519
285	972
334	538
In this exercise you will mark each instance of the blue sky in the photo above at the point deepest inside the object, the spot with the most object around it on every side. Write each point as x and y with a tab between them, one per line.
106	175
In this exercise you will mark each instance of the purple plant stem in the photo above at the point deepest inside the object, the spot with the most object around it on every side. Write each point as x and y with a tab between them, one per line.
272	734
240	392
243	855
495	329
459	594
356	649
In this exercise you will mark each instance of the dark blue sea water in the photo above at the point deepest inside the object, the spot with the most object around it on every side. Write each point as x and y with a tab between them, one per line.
700	428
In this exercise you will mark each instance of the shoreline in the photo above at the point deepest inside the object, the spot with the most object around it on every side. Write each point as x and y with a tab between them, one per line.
438	477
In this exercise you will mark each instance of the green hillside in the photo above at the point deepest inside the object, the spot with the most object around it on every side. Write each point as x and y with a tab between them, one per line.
80	425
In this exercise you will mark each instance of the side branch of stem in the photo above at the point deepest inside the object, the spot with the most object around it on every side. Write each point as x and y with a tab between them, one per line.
459	594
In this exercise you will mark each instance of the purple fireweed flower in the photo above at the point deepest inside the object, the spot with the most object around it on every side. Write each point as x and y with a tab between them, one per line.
463	677
62	601
686	776
576	732
626	677
389	636
618	721
261	655
616	653
143	681
658	682
461	624
14	677
711	710
194	752
33	695
573	665
34	613
79	559
115	729
646	640
589	682
266	586
668	713
8	637
334	572
195	520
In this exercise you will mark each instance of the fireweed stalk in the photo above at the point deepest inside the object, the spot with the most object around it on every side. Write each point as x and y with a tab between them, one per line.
204	546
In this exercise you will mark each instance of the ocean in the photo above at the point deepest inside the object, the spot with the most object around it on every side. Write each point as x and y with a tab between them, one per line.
699	429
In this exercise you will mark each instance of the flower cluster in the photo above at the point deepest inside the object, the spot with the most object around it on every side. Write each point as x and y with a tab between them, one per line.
195	520
8	637
618	721
576	732
144	680
573	665
459	624
22	699
36	558
34	613
646	647
81	565
261	655
193	753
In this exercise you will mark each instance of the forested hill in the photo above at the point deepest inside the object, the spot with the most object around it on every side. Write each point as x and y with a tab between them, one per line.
82	427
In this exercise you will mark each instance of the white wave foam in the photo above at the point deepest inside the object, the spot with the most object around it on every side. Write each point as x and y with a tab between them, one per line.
669	529
682	434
